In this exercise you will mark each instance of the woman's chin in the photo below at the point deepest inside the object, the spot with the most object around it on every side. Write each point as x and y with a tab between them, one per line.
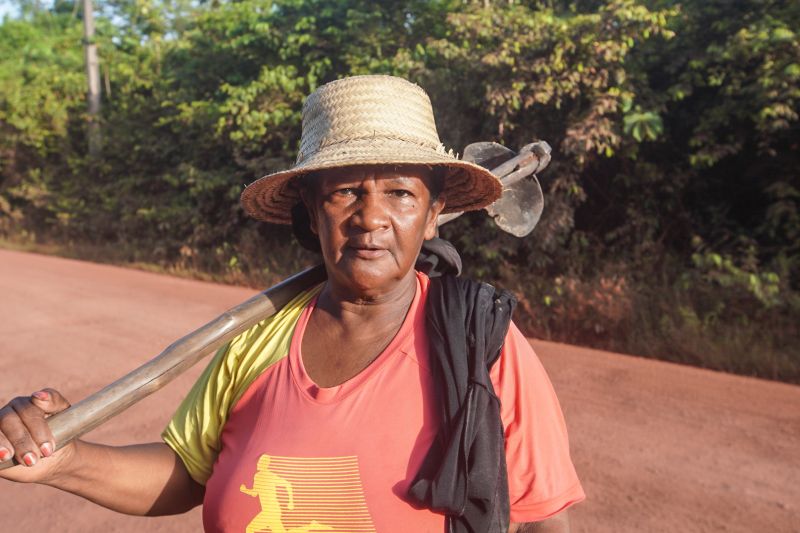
369	278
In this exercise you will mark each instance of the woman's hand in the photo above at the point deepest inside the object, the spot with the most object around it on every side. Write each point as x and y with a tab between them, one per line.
25	436
142	479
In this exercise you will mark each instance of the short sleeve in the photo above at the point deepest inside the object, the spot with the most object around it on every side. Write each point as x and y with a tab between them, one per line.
193	433
196	427
541	477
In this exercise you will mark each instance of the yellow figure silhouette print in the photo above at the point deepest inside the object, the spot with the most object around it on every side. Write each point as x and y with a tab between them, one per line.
308	494
265	486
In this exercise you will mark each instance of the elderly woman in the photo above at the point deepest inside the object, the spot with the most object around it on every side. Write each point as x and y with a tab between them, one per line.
355	408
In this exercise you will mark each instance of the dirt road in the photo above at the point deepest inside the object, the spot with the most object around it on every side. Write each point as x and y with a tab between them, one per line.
658	447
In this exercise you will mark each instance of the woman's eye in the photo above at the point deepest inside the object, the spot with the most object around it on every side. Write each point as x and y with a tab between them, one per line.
401	193
346	191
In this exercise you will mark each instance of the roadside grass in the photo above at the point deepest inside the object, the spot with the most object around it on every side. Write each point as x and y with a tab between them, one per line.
670	324
285	262
697	323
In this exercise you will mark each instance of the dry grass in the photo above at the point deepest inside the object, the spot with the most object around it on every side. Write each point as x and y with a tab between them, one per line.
283	262
699	323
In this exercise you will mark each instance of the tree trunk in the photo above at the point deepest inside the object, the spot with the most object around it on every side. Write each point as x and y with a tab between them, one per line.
92	79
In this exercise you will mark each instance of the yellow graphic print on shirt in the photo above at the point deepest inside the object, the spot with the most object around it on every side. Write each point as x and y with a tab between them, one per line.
308	494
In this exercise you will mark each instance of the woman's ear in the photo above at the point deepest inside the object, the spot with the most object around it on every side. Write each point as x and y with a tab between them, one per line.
433	214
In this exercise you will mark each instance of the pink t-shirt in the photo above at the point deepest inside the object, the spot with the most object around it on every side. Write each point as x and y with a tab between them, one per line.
295	457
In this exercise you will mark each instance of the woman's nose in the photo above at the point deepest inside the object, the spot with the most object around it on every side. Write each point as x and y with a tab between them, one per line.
372	213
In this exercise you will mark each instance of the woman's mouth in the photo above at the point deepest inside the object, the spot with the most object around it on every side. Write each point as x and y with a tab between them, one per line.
368	251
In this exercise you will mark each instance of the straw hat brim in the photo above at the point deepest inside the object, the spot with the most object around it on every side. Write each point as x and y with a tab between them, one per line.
467	186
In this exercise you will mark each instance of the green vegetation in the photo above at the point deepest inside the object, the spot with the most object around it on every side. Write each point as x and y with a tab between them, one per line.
671	228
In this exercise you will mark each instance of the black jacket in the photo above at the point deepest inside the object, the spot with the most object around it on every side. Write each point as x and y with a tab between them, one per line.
464	474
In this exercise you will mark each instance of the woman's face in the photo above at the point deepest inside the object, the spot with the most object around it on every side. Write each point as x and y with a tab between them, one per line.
371	221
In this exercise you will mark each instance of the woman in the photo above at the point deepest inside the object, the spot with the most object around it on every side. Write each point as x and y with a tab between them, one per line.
322	417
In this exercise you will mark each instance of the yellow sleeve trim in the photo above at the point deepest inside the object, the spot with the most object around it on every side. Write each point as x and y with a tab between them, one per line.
195	429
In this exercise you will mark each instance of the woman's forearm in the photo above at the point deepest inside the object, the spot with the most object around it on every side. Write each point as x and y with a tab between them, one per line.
144	479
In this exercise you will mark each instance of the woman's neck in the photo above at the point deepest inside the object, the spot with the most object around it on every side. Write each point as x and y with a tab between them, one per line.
344	335
355	307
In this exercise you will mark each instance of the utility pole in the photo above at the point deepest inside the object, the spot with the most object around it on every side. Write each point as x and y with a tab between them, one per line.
92	78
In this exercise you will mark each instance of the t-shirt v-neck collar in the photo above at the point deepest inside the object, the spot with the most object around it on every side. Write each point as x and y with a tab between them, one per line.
338	392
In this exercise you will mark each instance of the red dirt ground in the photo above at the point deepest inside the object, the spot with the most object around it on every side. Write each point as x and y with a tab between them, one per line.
658	446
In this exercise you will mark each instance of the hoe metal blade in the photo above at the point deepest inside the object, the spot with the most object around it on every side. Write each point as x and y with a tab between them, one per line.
520	207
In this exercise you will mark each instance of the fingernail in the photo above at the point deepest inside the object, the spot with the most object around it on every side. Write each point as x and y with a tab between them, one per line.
5	455
41	395
47	449
29	459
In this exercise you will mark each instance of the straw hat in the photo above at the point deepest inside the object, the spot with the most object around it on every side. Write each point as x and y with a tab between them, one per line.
367	120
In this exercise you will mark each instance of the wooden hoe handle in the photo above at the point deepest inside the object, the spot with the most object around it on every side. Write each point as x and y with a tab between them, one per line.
92	411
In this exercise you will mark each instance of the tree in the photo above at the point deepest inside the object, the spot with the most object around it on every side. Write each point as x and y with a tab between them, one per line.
92	79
